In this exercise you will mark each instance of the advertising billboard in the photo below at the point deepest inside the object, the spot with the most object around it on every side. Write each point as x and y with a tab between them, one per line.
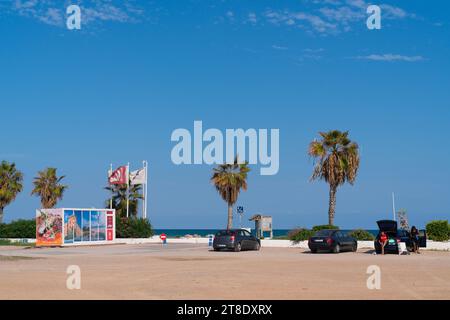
62	227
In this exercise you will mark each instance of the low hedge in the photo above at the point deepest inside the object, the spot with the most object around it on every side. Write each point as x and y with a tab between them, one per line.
300	234
133	228
18	229
438	230
361	235
324	227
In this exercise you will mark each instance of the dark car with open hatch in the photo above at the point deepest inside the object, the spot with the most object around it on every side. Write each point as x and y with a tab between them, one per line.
395	236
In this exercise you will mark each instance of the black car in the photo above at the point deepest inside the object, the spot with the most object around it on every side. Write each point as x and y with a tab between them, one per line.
236	239
333	241
395	236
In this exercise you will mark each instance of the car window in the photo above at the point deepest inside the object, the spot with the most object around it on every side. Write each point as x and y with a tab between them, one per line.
224	233
247	234
324	233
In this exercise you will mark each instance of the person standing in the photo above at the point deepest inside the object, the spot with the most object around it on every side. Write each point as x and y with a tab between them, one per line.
414	236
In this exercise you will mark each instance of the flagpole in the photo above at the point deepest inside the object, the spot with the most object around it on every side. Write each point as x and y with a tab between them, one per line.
393	206
143	193
146	190
110	185
128	190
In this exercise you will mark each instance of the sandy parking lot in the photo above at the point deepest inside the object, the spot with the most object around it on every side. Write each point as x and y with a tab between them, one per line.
193	272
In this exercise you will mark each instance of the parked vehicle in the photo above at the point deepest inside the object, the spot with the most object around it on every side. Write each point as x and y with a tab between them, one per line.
236	239
332	241
395	236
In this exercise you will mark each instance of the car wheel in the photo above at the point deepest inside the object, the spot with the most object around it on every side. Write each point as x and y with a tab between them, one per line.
238	247
257	247
313	250
216	249
355	247
337	248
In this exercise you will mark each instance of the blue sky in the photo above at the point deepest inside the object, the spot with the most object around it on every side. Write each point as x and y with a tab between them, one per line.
115	90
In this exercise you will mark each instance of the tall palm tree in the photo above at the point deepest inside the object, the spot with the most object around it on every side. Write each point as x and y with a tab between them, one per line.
119	199
336	162
10	185
229	179
47	186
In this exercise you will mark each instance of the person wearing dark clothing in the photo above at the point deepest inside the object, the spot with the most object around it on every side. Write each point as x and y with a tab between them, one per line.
414	235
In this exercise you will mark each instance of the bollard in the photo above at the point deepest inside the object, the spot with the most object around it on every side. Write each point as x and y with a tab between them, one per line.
211	239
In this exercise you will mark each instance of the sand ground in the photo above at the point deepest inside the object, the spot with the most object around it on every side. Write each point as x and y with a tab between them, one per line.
194	272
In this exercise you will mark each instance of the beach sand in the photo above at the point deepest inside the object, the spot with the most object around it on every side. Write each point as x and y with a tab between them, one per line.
193	272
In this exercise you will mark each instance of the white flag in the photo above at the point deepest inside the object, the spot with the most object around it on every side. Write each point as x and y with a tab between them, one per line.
138	177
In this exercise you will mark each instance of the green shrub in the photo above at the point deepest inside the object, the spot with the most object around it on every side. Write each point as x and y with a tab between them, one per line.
438	230
19	229
16	244
325	227
361	235
300	234
133	228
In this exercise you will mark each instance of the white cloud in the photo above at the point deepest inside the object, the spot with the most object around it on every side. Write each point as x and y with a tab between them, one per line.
53	12
389	57
252	18
299	19
331	16
391	12
276	47
309	50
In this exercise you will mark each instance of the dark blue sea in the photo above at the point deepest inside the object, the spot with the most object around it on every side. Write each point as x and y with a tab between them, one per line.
177	233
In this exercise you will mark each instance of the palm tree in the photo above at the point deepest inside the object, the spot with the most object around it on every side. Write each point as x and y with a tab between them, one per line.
119	199
10	185
47	186
229	179
338	163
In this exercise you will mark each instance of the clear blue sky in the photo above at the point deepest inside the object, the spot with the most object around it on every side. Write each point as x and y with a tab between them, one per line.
115	91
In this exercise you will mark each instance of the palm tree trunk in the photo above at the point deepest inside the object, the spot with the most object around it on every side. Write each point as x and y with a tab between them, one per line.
230	217
1	215
332	205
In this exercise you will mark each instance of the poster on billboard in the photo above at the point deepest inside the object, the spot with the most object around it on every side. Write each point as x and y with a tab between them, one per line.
49	227
94	225
86	226
102	226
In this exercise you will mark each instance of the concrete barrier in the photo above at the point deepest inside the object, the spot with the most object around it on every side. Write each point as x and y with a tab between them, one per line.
25	241
431	245
266	243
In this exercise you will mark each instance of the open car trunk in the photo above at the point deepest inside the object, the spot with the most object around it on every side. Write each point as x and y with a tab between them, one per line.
388	226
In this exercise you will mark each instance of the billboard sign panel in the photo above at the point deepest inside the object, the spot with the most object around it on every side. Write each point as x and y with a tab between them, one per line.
61	227
49	227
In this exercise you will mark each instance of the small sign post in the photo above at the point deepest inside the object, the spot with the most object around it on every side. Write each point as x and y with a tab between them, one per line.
240	212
